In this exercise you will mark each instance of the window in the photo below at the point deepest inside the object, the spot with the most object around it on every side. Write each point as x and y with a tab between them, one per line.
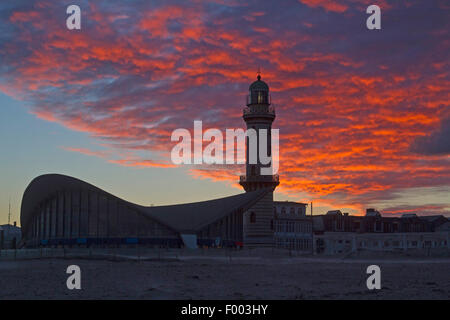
252	217
378	226
271	224
260	97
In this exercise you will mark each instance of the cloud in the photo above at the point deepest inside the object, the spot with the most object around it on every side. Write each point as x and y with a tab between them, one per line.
349	102
329	5
437	143
87	152
141	163
134	161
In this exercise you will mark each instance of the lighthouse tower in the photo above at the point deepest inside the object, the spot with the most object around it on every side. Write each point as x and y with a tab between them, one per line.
258	115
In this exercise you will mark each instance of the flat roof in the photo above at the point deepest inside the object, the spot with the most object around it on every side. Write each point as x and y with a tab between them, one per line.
290	203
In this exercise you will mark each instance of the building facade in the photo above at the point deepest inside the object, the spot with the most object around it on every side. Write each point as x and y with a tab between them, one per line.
332	243
10	236
338	233
373	222
292	228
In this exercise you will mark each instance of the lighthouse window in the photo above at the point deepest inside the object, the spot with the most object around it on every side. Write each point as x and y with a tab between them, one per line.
259	96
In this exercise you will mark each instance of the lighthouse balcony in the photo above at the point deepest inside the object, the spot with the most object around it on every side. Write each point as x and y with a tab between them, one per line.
260	178
259	109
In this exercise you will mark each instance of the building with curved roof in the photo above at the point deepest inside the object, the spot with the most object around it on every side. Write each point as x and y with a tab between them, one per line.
62	210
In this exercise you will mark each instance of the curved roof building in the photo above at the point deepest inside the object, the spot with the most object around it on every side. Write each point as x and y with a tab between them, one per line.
61	210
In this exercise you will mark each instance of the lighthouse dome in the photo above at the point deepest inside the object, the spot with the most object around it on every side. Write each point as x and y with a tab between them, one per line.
259	92
259	85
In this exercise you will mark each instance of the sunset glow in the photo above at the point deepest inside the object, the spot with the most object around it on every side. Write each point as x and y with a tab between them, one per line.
364	117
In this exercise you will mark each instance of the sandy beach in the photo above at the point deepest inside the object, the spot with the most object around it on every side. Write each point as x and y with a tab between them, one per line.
196	277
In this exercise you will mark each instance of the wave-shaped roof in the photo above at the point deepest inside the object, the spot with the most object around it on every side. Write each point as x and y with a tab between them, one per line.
189	217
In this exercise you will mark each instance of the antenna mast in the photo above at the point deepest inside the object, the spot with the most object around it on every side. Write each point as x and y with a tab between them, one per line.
9	212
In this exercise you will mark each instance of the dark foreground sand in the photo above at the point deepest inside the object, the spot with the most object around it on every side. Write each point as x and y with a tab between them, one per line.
209	278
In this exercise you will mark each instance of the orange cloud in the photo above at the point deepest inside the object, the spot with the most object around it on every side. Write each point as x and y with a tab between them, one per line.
328	5
347	118
141	163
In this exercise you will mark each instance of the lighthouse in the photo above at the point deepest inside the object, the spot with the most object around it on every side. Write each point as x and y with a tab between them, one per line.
259	114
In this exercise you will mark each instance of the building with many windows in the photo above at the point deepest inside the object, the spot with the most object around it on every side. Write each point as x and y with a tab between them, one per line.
373	222
10	236
292	228
337	233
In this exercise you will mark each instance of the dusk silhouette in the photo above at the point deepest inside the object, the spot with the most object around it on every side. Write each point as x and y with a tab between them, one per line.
115	126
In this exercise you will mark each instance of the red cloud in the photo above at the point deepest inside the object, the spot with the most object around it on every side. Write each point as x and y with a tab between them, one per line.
328	5
346	121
